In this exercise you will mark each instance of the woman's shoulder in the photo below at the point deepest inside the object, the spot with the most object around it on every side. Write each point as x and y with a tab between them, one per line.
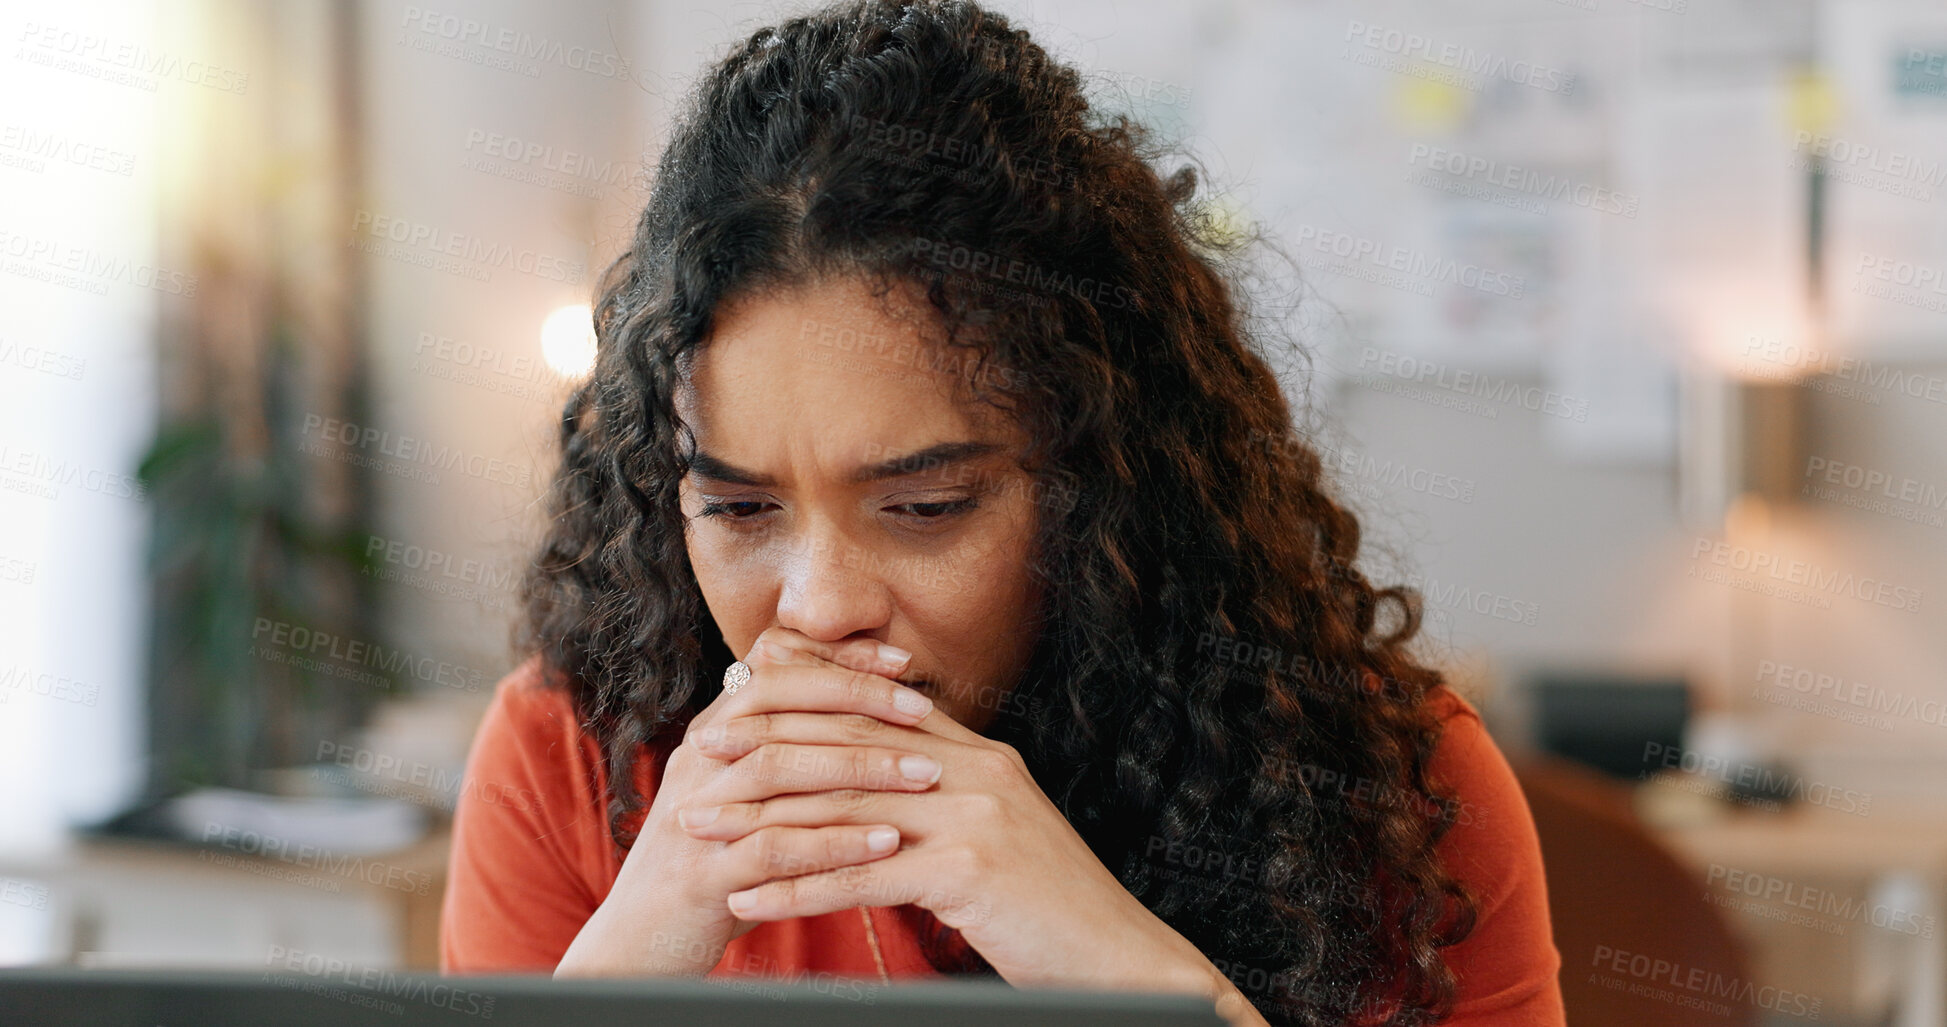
1507	968
532	693
1470	767
534	711
530	859
531	734
1466	760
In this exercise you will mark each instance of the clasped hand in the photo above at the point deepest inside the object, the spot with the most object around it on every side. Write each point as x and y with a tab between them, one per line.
823	781
823	785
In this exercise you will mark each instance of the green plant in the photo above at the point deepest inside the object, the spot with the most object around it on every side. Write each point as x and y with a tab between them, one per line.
235	546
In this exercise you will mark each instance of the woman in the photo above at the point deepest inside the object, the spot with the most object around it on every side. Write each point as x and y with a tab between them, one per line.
937	578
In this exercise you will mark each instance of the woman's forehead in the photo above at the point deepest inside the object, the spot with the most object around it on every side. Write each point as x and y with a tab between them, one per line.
826	370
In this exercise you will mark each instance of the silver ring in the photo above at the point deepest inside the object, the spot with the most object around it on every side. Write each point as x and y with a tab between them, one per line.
735	677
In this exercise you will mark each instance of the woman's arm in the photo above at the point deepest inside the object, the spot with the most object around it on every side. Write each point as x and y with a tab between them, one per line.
525	836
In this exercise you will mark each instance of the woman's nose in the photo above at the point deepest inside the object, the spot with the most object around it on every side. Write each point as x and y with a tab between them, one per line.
832	588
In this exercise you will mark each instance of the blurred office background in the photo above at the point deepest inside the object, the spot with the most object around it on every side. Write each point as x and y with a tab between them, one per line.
1627	335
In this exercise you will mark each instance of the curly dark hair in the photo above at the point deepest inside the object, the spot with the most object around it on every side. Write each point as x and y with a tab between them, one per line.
931	143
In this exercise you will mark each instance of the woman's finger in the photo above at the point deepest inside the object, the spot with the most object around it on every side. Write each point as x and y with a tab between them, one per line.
781	768
731	739
790	851
817	688
895	881
731	821
784	645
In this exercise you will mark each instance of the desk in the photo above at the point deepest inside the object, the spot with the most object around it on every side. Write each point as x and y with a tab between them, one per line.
1803	888
134	904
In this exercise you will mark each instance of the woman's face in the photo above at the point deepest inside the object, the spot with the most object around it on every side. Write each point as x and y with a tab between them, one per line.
844	488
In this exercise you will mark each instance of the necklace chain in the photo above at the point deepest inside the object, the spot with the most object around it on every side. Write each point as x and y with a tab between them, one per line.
872	937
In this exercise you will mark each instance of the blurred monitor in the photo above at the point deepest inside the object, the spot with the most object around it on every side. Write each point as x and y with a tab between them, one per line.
1607	721
340	996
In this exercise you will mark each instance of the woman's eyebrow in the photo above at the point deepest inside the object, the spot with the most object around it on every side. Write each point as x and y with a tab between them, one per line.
709	468
932	458
922	461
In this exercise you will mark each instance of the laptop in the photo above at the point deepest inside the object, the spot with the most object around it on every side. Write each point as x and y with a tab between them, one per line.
152	998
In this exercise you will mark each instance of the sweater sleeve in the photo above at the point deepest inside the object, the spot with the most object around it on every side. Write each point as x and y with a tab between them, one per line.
528	835
1508	967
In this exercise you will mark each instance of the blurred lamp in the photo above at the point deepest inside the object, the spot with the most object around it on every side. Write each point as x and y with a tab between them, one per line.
568	341
1742	441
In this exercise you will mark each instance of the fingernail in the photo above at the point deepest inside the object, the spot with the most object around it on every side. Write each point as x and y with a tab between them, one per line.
911	703
919	768
894	655
882	839
702	816
742	902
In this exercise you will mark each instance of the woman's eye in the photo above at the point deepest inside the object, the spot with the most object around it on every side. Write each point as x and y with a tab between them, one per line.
933	511
733	511
746	510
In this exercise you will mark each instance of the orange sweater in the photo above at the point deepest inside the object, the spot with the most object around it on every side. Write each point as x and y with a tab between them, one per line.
532	860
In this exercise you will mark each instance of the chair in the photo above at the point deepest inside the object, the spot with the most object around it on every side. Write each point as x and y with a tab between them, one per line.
1612	887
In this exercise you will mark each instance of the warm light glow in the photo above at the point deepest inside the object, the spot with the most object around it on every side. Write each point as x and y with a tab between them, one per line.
568	341
1748	519
1777	345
